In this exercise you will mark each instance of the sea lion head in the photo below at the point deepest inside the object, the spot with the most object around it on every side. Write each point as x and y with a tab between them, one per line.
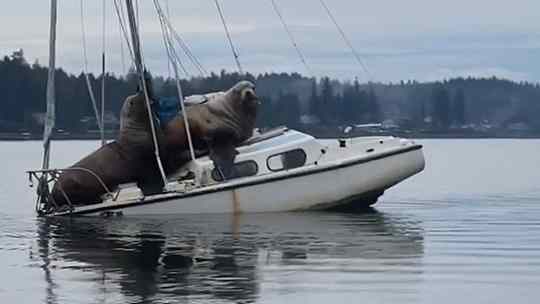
244	96
218	122
135	126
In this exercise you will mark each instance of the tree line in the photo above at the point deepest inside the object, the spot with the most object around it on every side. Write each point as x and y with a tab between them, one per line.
287	99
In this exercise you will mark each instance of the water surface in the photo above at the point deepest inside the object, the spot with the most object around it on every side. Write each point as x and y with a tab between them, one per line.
467	229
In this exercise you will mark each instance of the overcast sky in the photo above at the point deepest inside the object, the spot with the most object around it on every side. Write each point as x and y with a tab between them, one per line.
413	39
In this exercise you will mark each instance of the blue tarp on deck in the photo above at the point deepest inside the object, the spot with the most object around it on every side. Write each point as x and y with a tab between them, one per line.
168	109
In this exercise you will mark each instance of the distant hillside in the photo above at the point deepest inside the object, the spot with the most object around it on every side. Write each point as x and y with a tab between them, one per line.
288	99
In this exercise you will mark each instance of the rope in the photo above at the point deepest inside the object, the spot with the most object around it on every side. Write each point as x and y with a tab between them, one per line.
231	44
347	41
98	178
291	37
85	69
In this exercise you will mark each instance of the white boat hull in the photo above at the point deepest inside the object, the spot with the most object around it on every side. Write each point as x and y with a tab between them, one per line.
314	188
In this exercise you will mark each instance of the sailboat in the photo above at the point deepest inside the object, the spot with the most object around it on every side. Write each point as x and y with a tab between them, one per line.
275	171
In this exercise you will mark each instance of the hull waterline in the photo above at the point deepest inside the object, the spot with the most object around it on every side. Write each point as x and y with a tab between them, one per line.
352	183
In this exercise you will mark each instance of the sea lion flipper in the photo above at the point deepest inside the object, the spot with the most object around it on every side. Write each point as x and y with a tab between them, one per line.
222	153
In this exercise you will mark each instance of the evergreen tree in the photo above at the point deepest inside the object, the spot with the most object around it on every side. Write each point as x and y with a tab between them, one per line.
459	107
265	115
374	108
287	110
348	108
497	100
314	99
441	106
326	101
354	103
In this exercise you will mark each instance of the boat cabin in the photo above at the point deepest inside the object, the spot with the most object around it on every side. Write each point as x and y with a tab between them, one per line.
274	151
269	154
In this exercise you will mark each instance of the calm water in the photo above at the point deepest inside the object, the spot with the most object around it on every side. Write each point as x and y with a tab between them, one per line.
467	230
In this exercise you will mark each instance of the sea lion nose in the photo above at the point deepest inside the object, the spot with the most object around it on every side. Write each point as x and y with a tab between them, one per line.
249	94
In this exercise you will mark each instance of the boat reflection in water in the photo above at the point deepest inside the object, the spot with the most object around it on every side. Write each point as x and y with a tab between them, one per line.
217	257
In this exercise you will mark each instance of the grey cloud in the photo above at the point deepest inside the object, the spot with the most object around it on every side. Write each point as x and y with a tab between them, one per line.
416	39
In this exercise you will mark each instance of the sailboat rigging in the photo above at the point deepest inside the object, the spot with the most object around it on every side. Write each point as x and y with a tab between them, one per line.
51	90
229	38
274	171
347	41
174	61
103	73
291	37
85	71
136	44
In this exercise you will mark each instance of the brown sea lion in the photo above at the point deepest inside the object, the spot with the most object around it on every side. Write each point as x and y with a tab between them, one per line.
128	159
217	125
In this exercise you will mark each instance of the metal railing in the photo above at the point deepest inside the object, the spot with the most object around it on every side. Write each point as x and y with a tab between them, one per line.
46	203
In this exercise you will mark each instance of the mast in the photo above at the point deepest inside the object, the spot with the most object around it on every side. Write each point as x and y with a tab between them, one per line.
102	116
50	115
140	70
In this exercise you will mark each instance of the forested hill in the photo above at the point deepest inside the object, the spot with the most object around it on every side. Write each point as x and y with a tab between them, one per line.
288	99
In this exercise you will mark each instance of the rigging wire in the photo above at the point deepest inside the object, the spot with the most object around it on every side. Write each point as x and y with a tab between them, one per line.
229	38
122	22
291	37
189	54
347	41
139	64
137	15
103	70
122	54
174	61
172	55
185	48
168	17
85	69
166	40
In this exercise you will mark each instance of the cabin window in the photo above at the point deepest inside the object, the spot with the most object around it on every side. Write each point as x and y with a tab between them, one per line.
287	160
241	169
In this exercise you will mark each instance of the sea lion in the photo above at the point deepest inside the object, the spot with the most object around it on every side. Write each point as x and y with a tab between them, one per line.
128	159
217	125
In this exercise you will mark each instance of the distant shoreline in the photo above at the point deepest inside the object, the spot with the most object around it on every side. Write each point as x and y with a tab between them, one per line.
446	136
323	135
426	134
64	136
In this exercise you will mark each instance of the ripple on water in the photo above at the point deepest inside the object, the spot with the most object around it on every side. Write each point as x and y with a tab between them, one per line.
451	234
